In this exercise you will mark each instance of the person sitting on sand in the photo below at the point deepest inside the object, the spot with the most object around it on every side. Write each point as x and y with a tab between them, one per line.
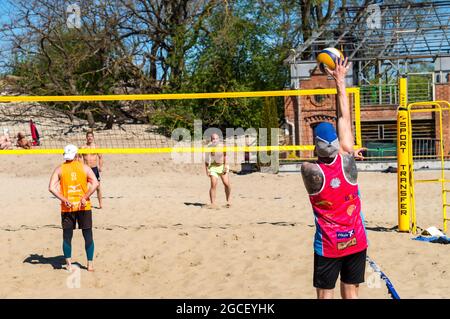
22	141
216	165
69	183
5	140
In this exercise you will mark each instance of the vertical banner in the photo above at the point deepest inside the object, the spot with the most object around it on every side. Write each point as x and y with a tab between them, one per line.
403	165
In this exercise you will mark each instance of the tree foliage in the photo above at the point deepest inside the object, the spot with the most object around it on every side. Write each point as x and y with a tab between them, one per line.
160	46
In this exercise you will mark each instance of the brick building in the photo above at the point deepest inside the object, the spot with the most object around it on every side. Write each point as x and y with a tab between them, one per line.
378	121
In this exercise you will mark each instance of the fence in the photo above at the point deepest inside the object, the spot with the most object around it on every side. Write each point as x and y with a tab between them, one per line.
387	94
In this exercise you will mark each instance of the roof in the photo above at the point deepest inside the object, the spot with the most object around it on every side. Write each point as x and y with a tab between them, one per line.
409	30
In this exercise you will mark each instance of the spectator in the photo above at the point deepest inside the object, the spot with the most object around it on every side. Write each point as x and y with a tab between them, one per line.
5	140
22	141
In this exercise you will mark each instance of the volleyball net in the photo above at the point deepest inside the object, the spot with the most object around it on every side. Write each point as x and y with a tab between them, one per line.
50	128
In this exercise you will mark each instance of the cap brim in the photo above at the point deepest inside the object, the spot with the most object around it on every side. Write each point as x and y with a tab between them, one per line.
326	141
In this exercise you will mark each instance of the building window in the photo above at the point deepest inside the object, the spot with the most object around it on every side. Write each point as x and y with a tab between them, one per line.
319	99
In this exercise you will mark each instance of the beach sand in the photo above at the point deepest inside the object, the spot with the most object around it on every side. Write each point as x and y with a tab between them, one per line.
153	239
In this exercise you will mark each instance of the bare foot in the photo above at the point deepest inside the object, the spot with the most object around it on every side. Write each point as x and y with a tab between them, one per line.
90	267
68	265
212	206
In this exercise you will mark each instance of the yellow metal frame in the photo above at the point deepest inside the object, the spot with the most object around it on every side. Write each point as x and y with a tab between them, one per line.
436	106
403	161
147	97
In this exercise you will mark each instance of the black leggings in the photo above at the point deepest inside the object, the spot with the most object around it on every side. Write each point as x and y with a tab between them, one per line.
88	243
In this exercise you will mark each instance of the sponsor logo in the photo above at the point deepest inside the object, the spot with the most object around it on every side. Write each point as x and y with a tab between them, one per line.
335	182
350	197
345	235
351	209
346	244
324	203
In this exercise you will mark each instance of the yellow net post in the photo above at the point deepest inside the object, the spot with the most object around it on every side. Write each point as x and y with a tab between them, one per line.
403	160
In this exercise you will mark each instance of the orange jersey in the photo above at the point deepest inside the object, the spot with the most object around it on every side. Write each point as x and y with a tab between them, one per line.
73	184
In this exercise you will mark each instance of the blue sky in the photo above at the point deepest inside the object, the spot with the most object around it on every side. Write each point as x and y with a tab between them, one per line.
5	8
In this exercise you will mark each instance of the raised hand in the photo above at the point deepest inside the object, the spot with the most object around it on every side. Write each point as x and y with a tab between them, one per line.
342	67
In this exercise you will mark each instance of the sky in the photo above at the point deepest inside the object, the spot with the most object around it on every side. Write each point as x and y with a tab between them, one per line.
5	9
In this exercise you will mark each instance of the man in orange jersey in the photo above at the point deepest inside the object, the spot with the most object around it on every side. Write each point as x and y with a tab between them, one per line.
73	177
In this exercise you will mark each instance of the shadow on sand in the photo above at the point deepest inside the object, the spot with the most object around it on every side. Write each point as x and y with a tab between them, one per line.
195	204
56	262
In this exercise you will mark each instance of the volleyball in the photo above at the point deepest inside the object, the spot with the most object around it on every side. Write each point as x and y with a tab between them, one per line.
328	57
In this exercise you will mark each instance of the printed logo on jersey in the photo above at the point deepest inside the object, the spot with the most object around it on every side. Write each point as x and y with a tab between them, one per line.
350	197
345	234
351	209
324	204
346	244
335	182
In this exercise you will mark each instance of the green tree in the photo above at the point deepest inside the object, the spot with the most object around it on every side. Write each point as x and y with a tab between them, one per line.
269	121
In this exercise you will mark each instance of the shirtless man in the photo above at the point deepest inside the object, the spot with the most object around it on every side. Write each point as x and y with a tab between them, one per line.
95	162
216	165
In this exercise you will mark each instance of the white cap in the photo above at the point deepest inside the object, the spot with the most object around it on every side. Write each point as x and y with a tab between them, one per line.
69	152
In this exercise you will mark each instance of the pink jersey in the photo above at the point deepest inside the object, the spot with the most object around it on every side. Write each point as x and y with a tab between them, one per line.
340	227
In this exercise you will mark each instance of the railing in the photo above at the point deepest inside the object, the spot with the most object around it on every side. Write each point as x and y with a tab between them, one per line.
387	94
420	92
425	148
384	94
386	150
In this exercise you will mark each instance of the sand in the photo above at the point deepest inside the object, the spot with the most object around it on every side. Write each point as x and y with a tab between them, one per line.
153	239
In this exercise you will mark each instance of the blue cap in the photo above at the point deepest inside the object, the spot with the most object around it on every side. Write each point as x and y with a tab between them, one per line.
326	132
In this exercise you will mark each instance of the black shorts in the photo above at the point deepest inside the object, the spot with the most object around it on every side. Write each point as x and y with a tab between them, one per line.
96	172
83	218
351	268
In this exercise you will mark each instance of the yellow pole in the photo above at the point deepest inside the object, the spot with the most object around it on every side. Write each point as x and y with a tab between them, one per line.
412	203
441	151
403	159
357	98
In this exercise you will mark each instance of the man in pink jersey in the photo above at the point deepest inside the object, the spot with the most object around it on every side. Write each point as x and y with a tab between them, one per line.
340	242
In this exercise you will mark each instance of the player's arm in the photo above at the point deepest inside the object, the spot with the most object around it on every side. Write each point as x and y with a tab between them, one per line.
207	159
91	179
350	169
345	118
225	168
312	177
344	122
53	186
100	161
